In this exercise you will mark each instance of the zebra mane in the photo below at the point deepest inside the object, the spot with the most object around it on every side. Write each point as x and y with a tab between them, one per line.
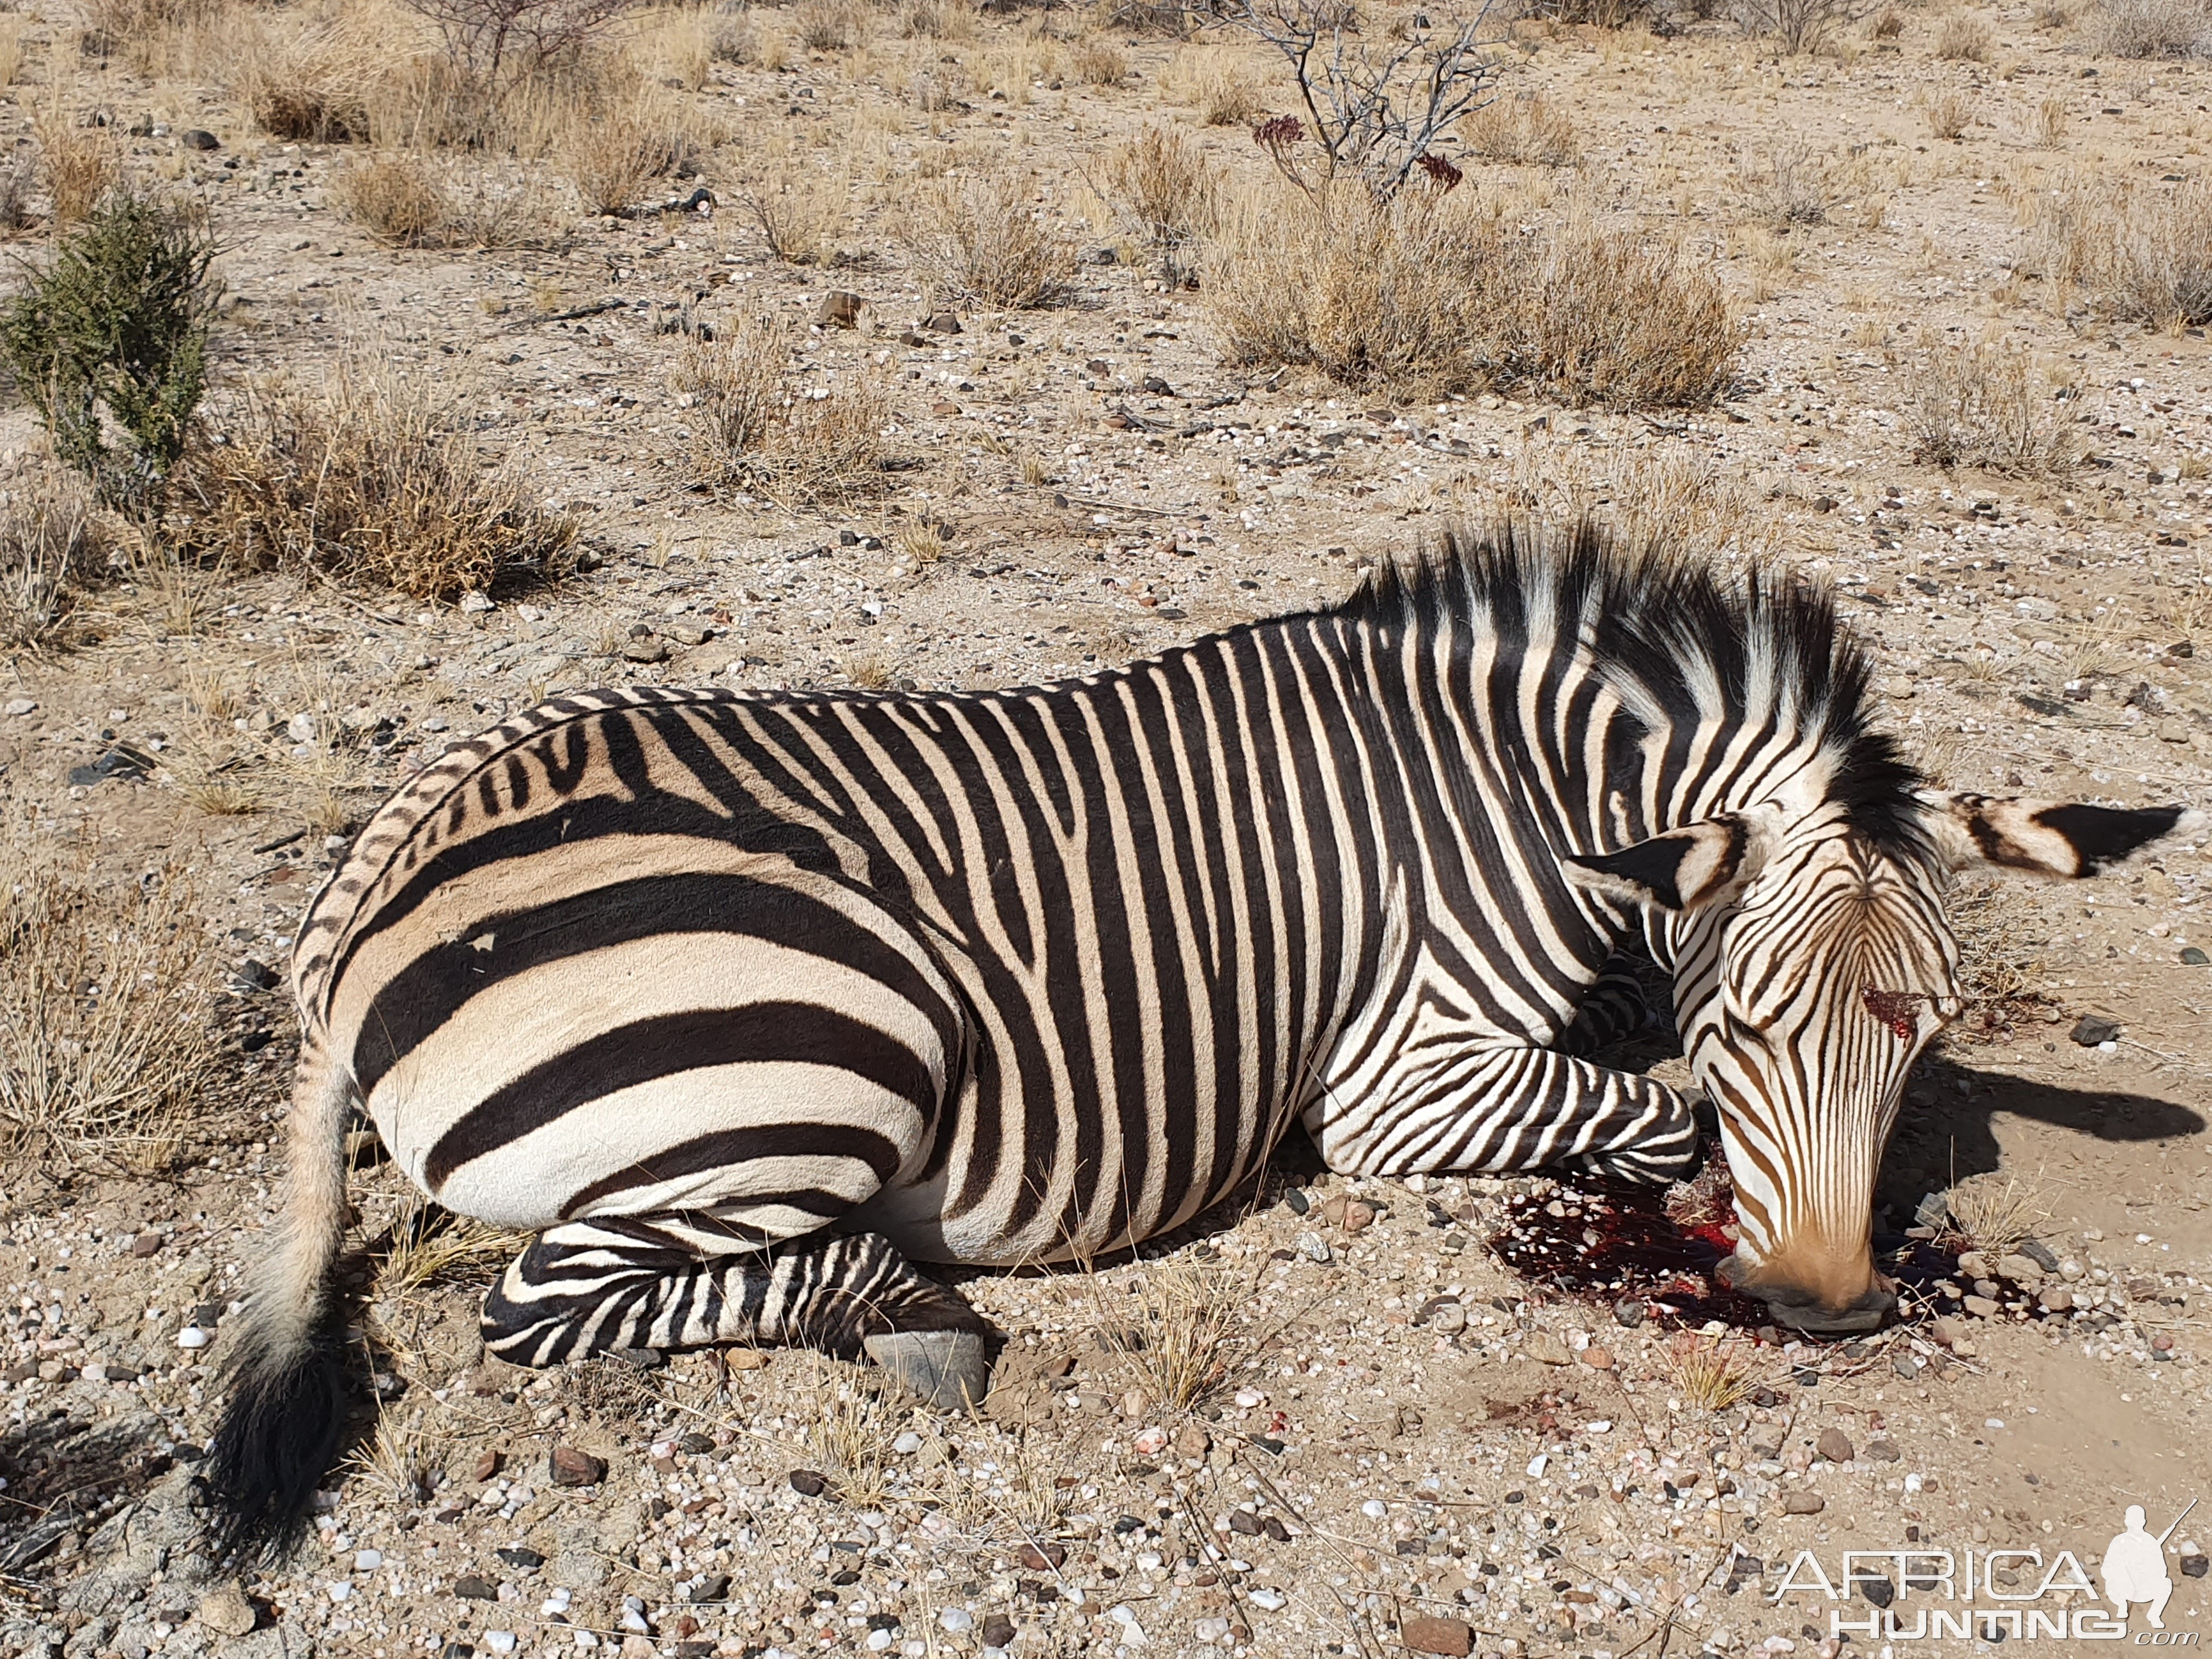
1678	637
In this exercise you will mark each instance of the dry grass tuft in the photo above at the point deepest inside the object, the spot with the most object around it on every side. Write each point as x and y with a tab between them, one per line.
2142	251
1714	1373
1181	1343
1996	1217
1787	187
433	1246
395	1461
1220	84
1673	498
412	201
372	476
2150	28
390	198
49	553
1525	130
1098	62
77	165
829	25
306	80
614	156
1989	406
1949	112
107	988
1434	291
1963	37
800	213
760	424
1163	188
852	1437
978	237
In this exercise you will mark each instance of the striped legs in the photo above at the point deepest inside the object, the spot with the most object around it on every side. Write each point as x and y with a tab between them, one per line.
584	1287
1516	1108
1616	1006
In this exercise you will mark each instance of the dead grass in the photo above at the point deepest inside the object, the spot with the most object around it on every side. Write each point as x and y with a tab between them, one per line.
759	423
433	1246
1673	498
1990	406
1434	292
372	476
1948	111
2149	29
306	78
1098	62
413	201
49	554
392	200
1162	187
2142	252
851	1435
978	237
614	158
1714	1373
800	212
395	1461
1176	1333
1965	37
1996	1217
78	165
108	1043
1523	130
1220	84
829	25
1786	187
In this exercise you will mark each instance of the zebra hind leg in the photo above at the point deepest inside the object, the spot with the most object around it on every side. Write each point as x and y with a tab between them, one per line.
586	1288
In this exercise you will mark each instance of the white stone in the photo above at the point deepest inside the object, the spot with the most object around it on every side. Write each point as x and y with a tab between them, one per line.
474	604
1536	1464
907	1444
959	1620
367	1560
17	707
1268	1601
191	1337
500	1641
1374	1509
1211	1631
340	1590
878	1640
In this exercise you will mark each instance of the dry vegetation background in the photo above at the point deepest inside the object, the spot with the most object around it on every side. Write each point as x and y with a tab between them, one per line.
378	367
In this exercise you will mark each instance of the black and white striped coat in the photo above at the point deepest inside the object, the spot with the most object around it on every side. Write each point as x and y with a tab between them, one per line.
678	977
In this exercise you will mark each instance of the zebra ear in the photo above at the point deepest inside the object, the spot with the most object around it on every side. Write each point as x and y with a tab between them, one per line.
1677	869
2047	837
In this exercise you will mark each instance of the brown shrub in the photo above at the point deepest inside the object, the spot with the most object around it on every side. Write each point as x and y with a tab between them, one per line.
309	81
1991	407
1949	113
1433	290
1098	62
1523	130
829	25
799	213
615	157
977	237
1163	186
2150	28
2142	252
757	423
1964	38
392	200
372	476
411	201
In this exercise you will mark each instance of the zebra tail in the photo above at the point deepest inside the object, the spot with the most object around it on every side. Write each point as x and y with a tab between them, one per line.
286	1406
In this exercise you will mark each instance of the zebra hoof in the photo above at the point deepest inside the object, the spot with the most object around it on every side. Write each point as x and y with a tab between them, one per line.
947	1368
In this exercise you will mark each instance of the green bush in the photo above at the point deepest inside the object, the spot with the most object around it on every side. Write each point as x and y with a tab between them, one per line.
110	340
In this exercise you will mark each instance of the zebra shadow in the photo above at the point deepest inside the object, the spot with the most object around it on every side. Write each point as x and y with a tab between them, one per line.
1944	1141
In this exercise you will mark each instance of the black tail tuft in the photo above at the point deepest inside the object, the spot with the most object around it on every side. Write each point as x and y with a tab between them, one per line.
279	1434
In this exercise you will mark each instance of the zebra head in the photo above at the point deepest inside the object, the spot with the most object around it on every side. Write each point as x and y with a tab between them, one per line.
1814	963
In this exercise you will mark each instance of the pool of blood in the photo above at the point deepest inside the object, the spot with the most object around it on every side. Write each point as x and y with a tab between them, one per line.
1613	1241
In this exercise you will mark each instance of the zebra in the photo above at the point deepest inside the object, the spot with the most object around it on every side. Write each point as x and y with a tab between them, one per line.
743	1002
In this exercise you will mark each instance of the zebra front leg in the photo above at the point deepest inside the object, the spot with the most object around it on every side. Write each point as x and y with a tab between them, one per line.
1614	1008
1495	1109
584	1287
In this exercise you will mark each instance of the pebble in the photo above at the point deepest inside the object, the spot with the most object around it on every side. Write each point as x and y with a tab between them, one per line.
367	1560
226	1611
1268	1601
191	1337
572	1468
16	708
1834	1445
1803	1503
1546	1350
907	1444
807	1484
1311	1247
2095	1030
1453	1637
1211	1631
1374	1509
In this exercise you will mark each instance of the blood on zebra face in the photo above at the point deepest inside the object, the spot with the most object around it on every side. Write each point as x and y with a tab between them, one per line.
1813	965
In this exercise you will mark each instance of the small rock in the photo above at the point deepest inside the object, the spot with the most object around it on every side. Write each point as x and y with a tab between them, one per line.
1834	1445
1945	1330
2019	1269
1192	1441
571	1467
714	1588
1597	1358
944	322
521	1556
2174	729
687	634
1357	1216
191	1337
1269	1600
1882	1452
470	1587
2193	1566
998	1631
1452	1637
1044	1557
1803	1503
807	1484
198	138
956	1620
840	309
474	603
147	1245
16	708
2092	1029
2193	958
487	1466
2040	1254
1311	1247
1981	1307
743	1359
1547	1349
647	649
2056	1299
1448	1320
1628	1313
1905	1365
226	1611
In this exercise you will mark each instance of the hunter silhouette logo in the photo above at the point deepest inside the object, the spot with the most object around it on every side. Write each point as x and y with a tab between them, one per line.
2134	1567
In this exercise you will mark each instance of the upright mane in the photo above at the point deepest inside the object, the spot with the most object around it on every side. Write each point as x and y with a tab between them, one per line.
1678	638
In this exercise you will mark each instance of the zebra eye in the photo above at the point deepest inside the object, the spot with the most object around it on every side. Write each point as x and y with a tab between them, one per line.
1898	1010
